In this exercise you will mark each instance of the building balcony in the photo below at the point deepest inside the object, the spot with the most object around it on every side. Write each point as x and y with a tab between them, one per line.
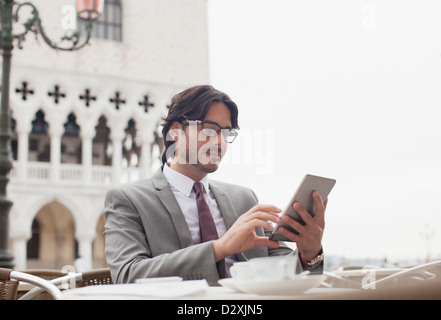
72	174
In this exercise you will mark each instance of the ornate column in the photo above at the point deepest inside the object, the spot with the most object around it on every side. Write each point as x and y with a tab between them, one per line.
20	252
55	132
117	137
87	153
20	234
85	249
23	152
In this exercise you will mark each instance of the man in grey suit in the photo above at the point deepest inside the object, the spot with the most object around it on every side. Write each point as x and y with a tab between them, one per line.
153	228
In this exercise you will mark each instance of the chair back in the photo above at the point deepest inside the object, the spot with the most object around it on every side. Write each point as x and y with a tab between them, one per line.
8	287
47	274
87	278
36	281
95	277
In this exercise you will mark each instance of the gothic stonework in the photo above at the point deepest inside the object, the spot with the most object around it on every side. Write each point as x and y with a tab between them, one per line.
69	140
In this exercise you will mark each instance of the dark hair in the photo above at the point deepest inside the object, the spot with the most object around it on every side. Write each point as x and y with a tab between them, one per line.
193	104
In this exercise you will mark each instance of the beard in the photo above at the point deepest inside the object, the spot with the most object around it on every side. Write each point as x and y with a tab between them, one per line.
208	159
206	168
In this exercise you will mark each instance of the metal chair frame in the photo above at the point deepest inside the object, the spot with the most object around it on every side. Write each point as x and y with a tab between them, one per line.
42	284
72	280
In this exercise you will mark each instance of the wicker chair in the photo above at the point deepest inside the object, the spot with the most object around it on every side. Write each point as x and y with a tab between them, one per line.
87	278
47	274
8	287
9	280
95	278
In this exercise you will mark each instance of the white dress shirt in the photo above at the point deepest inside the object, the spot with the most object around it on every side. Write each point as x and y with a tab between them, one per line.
182	187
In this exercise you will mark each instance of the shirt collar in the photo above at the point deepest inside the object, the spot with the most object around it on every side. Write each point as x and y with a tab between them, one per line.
181	182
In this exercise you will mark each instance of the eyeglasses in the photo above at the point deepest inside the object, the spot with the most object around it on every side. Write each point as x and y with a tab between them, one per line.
212	129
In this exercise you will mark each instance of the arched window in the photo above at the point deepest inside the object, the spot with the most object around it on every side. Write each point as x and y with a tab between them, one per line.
109	24
39	140
131	146
33	245
39	125
102	144
14	139
71	142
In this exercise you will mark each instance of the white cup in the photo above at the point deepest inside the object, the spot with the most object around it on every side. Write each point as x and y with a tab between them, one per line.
241	271
274	268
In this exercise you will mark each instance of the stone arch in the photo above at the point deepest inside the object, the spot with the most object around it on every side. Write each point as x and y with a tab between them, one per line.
55	247
33	208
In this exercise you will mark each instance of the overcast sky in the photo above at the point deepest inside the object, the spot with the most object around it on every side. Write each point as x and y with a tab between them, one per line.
345	89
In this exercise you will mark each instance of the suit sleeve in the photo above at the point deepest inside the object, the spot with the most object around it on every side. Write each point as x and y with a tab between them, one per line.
129	256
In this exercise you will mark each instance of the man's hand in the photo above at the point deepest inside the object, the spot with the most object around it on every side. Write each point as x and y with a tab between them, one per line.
309	239
242	234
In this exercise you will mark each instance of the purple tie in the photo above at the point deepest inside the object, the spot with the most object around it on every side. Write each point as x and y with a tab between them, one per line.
206	223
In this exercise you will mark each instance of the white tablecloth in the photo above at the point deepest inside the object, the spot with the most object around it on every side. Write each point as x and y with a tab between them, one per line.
188	291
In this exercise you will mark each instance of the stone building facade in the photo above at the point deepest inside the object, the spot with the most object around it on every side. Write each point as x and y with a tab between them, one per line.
85	121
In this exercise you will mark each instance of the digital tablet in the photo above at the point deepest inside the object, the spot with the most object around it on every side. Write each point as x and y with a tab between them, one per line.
303	195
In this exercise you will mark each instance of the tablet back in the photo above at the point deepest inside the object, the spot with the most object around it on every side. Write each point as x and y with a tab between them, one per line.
303	195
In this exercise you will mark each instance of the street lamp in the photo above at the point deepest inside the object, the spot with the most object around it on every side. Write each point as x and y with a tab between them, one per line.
87	10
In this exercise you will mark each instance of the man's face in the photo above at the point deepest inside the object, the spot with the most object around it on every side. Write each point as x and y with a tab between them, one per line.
203	147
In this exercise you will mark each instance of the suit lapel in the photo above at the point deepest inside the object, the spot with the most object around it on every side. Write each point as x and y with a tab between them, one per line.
225	205
165	194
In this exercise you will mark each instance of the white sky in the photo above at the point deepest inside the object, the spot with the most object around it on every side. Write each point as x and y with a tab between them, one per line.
348	89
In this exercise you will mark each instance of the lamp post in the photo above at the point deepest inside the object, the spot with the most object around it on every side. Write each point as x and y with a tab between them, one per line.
87	10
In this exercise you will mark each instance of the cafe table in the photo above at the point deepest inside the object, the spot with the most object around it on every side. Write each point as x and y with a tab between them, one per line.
194	290
405	289
418	282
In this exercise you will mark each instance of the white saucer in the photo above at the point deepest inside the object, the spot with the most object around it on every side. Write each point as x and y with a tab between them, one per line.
274	287
230	284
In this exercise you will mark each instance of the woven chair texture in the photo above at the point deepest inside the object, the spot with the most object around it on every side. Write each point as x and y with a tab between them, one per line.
8	287
95	278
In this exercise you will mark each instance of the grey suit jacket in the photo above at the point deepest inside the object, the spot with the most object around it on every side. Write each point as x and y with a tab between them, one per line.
146	233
